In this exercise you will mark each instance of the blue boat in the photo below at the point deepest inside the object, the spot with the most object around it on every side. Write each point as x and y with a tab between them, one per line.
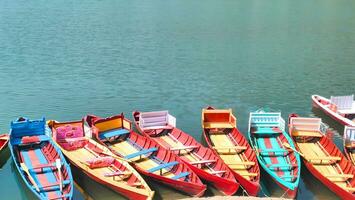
39	161
274	150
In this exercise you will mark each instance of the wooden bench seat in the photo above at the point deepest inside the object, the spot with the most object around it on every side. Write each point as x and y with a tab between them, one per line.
347	176
218	172
230	149
248	174
323	160
210	125
202	162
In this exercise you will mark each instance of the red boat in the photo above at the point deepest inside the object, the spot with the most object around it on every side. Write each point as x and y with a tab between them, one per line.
160	126
145	154
340	108
322	157
222	135
4	140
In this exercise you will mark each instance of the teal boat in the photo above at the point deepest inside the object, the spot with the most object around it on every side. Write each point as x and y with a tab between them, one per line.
273	147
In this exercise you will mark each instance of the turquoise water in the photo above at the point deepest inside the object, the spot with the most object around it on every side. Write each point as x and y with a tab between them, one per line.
63	59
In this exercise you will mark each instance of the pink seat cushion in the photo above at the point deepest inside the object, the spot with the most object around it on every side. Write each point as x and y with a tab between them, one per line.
100	162
69	131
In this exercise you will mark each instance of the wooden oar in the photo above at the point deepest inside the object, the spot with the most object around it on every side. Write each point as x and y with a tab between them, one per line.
289	147
59	165
25	169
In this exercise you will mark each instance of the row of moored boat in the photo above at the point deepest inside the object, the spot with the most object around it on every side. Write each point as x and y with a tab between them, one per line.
111	153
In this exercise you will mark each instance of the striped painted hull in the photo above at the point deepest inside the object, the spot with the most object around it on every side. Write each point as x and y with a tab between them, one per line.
39	159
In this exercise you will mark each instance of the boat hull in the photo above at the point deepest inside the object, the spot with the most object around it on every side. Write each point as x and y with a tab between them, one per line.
251	187
227	187
4	140
329	184
320	102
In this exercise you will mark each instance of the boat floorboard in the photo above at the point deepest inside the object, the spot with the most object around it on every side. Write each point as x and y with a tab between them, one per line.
315	150
222	140
187	154
83	155
126	148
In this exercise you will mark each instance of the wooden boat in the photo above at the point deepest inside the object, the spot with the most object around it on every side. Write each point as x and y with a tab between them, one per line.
349	143
221	134
4	140
322	157
39	162
145	154
268	138
203	161
98	162
340	108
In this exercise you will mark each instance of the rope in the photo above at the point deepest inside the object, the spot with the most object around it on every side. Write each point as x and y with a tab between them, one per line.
245	193
283	195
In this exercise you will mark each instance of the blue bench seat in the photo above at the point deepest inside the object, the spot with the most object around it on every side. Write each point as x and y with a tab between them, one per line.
183	174
266	130
162	166
112	133
140	153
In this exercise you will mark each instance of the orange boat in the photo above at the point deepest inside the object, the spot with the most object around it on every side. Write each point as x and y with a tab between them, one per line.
221	134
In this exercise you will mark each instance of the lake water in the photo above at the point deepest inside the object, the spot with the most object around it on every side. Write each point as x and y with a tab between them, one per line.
63	59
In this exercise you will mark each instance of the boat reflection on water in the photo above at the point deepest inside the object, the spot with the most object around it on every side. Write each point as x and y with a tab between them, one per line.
312	184
4	156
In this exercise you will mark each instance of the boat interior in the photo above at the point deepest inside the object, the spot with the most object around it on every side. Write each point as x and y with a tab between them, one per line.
146	155
95	158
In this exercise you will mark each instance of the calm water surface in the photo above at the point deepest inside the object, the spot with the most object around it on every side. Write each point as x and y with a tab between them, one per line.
63	59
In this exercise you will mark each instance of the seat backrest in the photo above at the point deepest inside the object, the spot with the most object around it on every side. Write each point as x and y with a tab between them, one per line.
218	115
264	119
342	102
69	131
105	125
305	124
155	119
349	133
26	127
